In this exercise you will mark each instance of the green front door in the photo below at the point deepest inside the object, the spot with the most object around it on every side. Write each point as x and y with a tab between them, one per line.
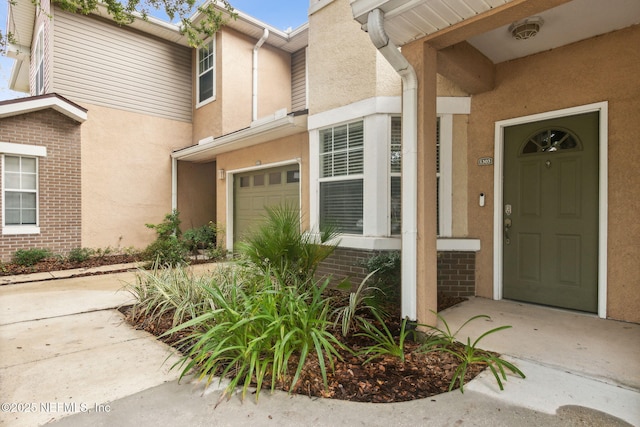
550	212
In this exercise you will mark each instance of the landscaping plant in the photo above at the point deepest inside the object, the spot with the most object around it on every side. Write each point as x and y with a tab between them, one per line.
385	340
168	248
279	247
469	353
363	299
251	335
30	257
80	254
201	238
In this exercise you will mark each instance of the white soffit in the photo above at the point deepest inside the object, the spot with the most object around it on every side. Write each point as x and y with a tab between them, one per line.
565	24
409	20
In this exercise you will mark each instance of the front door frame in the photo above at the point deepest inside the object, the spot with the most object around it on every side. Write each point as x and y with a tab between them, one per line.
498	174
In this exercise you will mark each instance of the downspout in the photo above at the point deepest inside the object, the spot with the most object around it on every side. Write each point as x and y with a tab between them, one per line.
380	39
174	183
254	116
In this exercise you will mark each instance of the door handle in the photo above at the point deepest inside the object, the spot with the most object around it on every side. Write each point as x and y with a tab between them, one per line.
507	227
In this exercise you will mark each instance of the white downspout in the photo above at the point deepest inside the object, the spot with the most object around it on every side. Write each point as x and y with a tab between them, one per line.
375	27
254	116
174	184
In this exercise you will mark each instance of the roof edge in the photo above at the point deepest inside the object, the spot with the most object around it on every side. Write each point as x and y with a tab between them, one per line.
15	107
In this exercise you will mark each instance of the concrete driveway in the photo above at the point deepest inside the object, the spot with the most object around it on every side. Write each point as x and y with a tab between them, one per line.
67	356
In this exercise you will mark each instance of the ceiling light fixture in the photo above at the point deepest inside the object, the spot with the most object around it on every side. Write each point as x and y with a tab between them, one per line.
527	28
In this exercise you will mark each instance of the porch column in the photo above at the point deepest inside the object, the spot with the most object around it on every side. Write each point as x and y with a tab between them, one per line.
424	60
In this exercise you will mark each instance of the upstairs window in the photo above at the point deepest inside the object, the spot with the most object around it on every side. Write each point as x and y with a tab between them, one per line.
206	72
20	182
39	63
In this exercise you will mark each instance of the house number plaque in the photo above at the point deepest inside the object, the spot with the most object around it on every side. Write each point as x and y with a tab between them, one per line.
485	161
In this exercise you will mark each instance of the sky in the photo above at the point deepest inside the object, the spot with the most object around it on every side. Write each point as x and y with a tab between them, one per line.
281	14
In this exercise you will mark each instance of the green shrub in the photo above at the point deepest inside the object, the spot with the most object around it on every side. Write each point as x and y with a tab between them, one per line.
279	246
252	332
200	237
387	278
29	257
80	254
168	248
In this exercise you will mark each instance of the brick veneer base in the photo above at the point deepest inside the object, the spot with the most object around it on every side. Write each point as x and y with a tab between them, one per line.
58	180
456	270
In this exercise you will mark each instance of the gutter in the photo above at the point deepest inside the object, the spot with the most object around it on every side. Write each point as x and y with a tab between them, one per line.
409	269
254	110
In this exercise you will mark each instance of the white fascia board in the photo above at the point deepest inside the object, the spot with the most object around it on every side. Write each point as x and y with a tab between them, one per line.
364	108
23	149
29	106
241	139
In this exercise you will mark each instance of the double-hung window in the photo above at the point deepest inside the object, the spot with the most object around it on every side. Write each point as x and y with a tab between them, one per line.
342	176
206	72
20	191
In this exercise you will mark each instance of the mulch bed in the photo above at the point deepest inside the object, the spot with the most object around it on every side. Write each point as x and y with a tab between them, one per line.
382	380
58	264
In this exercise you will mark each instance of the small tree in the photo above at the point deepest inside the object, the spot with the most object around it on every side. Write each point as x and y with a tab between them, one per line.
168	248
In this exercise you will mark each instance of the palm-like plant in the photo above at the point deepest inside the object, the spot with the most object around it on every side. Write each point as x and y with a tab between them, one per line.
279	246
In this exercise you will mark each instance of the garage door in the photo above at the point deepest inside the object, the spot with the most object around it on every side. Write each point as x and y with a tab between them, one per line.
257	189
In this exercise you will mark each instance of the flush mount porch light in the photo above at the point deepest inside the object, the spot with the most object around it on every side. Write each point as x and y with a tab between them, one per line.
527	28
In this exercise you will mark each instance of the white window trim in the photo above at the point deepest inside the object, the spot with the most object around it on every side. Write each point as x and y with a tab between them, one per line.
377	113
39	60
214	69
24	150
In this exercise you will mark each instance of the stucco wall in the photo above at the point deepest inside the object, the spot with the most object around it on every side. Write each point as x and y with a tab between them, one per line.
344	66
59	190
289	148
232	108
126	175
196	194
604	68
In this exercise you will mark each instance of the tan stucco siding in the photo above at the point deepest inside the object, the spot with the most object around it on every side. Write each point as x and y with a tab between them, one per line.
283	150
126	175
344	66
232	108
196	193
604	68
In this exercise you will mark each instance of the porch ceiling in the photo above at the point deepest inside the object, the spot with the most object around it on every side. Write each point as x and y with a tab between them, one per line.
446	22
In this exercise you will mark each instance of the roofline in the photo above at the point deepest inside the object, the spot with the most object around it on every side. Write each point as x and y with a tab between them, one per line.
208	148
15	107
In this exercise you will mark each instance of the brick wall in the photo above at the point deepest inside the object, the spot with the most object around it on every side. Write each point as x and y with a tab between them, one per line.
345	262
456	273
456	270
59	180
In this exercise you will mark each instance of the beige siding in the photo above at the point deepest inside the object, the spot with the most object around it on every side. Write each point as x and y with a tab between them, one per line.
299	80
99	63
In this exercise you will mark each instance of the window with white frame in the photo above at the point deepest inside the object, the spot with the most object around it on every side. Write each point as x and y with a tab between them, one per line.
206	72
39	63
20	191
342	176
396	177
443	176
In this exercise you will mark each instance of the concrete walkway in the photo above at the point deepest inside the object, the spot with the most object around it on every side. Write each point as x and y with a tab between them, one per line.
67	357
